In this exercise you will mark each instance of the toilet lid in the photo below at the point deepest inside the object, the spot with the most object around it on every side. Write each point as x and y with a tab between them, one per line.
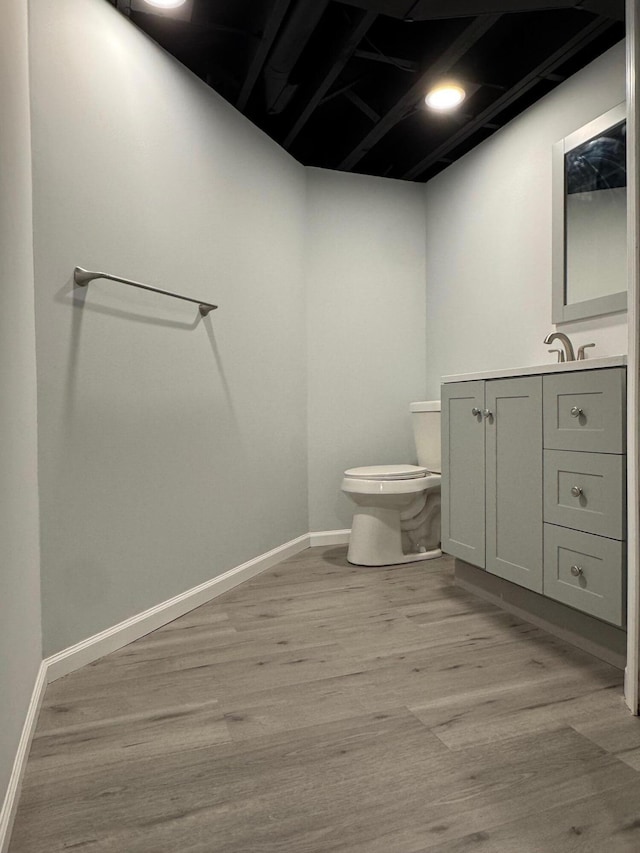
387	472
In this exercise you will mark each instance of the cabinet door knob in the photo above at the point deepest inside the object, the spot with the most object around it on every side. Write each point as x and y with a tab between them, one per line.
576	491
576	412
576	571
488	413
476	411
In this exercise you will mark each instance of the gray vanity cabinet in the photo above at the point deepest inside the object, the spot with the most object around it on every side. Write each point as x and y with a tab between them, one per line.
463	482
492	476
533	483
514	480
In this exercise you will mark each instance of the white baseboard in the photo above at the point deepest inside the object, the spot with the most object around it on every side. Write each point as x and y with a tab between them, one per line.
329	537
75	657
99	645
10	804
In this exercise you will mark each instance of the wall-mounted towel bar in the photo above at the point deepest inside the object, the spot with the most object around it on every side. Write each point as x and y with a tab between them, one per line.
82	278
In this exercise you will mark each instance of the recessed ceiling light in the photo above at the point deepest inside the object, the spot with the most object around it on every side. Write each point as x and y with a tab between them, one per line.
165	4
445	97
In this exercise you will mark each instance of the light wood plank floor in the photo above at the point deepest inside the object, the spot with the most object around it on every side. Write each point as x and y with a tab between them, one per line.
323	707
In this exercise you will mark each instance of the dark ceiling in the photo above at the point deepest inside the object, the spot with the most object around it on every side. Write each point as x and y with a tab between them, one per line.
341	84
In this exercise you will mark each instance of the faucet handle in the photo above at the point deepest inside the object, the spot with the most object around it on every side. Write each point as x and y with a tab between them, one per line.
560	354
581	355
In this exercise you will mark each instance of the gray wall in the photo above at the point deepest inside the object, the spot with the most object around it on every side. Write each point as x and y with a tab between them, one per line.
366	328
171	449
489	238
20	639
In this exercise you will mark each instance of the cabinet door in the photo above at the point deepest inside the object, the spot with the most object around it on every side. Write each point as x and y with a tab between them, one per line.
463	471
514	480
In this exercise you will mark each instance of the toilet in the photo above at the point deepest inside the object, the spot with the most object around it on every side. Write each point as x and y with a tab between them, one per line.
397	514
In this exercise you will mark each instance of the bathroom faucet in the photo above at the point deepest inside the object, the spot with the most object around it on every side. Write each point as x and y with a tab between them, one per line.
566	343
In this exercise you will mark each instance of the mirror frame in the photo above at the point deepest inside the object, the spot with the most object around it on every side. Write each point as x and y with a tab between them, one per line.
611	303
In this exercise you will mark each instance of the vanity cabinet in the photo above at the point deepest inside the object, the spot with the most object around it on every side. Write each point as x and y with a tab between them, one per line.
533	483
585	491
492	476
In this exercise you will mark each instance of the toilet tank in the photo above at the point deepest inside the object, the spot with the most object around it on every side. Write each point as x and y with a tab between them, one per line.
425	419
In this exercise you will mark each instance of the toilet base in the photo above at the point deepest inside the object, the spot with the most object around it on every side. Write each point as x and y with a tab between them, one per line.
376	539
406	558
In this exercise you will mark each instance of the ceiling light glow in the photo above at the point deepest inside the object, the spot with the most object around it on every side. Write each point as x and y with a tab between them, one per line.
166	4
445	97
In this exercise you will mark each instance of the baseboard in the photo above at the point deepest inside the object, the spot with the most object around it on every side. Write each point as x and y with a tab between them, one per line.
10	804
329	537
85	652
99	645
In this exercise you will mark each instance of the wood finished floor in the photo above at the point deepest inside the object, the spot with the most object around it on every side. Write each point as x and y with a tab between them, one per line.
323	707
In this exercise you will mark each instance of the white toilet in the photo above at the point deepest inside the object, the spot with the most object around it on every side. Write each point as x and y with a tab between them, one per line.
397	516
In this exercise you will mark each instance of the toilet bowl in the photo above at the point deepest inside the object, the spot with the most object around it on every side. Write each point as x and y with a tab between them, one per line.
397	514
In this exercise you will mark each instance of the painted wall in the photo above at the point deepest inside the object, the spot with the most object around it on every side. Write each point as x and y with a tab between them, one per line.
489	238
365	260
171	448
20	637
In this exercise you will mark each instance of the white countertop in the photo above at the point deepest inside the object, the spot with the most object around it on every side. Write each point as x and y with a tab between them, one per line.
535	370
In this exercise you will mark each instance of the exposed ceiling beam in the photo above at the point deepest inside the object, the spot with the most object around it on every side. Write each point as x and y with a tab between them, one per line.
577	43
469	36
273	23
298	29
376	56
431	10
363	106
340	91
344	54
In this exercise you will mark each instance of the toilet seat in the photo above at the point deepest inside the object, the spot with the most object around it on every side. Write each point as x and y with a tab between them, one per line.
396	486
387	472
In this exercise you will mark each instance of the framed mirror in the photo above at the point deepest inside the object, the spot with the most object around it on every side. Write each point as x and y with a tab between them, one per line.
590	219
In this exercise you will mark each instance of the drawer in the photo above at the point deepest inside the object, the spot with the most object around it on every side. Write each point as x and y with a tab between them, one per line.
585	491
585	410
585	572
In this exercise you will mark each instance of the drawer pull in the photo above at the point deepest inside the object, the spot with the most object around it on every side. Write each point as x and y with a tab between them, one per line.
576	571
475	411
576	412
576	491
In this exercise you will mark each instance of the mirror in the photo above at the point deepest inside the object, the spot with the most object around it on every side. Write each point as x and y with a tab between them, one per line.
590	219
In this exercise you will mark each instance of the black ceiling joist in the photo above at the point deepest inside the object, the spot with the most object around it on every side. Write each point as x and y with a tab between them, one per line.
362	25
432	10
576	44
274	21
362	105
396	61
469	36
335	93
297	30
